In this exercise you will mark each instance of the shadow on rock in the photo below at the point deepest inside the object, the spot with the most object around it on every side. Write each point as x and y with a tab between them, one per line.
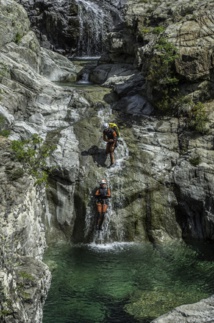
98	155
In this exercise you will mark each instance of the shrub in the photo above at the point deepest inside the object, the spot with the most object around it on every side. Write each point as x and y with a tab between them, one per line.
32	153
18	38
158	30
161	75
197	118
195	160
146	30
4	72
3	127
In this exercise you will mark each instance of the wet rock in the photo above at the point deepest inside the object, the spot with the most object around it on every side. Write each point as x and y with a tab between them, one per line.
197	313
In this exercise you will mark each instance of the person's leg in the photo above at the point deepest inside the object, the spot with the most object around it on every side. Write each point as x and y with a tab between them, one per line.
104	210
100	222
108	148
112	147
99	216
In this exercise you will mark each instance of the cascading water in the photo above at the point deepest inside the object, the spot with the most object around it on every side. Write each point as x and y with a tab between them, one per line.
96	19
111	231
85	79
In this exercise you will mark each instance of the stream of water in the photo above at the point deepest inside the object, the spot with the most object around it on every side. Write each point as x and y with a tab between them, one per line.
125	282
96	19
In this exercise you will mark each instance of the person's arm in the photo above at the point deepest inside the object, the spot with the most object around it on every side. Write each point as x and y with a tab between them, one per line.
97	194
105	138
108	193
114	136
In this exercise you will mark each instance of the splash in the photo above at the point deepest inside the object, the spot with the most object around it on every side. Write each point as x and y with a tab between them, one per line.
114	246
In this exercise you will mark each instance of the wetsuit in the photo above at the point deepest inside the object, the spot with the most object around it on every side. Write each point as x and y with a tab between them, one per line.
102	195
110	136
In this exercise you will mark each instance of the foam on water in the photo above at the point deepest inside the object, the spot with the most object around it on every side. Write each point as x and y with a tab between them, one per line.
114	246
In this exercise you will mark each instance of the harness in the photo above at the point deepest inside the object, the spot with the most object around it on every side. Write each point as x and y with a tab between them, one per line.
102	198
109	133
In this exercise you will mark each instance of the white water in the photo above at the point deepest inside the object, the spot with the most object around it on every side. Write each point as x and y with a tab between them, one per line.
92	22
95	21
107	235
48	215
116	246
85	79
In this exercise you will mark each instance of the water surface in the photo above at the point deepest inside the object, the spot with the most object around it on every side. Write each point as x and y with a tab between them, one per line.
125	282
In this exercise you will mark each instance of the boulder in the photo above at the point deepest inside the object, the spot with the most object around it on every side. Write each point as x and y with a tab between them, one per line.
197	313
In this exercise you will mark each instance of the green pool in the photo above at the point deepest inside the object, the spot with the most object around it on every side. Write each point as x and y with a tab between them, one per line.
125	282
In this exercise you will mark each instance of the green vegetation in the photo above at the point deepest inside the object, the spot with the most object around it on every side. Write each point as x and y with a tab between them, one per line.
26	297
18	38
4	72
158	30
26	276
5	133
155	30
32	153
144	30
197	118
6	312
3	127
161	75
195	160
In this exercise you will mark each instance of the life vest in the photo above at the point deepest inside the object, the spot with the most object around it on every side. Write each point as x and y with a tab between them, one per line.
109	133
103	193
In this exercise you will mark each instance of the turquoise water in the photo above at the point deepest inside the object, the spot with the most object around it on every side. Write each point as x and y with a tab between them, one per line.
125	282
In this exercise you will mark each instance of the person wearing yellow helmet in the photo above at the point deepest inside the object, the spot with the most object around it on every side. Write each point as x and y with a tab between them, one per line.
102	195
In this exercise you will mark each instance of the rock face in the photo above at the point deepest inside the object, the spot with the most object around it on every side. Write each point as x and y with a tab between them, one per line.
55	23
24	278
74	28
184	26
189	27
197	313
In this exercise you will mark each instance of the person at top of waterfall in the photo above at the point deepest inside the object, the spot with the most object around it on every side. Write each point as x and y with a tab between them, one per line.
102	195
110	136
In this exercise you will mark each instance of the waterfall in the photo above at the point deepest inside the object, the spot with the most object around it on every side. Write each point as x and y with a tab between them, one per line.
112	227
96	19
85	79
48	215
